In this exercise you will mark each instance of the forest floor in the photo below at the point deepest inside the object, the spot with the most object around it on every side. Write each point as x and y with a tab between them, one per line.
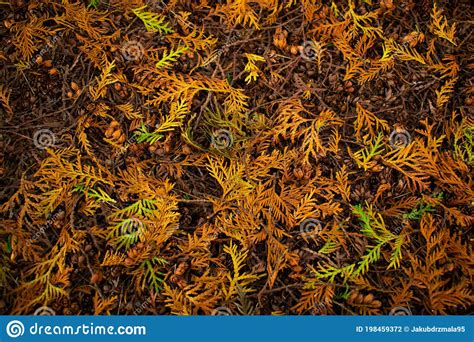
236	157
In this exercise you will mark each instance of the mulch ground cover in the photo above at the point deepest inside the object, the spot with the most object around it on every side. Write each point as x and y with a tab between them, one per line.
236	157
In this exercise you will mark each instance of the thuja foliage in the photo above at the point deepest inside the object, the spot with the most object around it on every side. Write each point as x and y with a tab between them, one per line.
199	168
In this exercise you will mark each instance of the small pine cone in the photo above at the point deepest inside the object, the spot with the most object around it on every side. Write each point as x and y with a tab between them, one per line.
368	298
352	298
376	304
298	173
279	39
